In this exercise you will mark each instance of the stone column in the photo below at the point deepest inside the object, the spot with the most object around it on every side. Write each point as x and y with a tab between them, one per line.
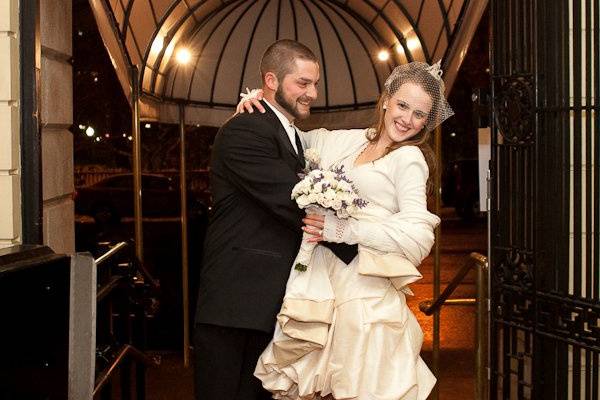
56	118
10	184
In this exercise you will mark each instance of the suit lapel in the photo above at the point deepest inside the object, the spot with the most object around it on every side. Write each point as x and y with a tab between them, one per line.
283	138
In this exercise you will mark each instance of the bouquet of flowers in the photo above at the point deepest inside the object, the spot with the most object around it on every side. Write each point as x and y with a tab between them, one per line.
319	192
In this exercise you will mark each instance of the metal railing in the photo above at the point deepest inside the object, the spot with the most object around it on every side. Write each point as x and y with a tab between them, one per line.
429	307
121	280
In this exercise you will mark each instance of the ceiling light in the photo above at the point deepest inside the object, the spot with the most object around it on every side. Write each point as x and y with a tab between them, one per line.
383	55
413	43
183	56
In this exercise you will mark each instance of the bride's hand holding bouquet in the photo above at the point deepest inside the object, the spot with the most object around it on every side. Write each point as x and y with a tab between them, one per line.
322	191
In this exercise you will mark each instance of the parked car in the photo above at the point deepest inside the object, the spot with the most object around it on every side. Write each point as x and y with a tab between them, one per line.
112	198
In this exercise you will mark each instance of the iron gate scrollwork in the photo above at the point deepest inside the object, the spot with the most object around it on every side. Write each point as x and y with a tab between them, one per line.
514	104
544	249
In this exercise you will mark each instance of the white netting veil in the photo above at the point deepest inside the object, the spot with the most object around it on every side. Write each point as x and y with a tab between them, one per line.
429	77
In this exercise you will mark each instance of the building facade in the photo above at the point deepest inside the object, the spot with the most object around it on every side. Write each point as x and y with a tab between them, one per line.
36	112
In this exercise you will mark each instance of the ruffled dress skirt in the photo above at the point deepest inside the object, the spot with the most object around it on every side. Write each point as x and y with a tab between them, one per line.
352	336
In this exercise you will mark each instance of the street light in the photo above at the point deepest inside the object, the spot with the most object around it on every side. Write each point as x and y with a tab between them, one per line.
90	131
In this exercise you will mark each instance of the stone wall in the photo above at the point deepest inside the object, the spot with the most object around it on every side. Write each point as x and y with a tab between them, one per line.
56	118
10	183
56	106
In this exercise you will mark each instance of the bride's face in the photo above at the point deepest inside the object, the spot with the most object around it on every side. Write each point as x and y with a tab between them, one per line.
406	113
298	89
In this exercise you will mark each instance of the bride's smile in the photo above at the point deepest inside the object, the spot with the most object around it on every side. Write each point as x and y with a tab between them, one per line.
406	113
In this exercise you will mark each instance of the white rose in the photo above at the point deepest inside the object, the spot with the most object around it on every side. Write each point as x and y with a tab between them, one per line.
345	186
336	204
320	198
330	194
305	188
329	176
303	201
326	203
345	197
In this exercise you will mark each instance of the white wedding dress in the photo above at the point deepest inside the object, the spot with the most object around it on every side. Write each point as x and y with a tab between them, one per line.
345	330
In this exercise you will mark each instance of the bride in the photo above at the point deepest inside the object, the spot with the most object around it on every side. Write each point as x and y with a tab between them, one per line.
345	331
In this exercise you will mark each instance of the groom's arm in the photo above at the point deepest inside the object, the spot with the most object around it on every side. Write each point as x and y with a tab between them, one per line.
253	164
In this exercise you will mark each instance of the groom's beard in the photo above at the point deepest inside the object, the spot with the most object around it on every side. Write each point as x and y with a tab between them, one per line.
291	106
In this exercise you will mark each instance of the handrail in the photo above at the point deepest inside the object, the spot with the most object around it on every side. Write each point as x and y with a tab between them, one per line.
104	290
136	281
154	283
468	301
108	372
111	253
475	259
430	307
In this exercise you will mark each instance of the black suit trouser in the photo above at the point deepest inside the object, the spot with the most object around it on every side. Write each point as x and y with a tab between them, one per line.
225	361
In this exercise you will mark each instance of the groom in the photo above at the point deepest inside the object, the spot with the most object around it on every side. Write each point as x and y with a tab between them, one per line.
255	230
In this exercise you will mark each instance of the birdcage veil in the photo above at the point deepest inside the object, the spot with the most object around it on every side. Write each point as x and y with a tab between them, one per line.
429	77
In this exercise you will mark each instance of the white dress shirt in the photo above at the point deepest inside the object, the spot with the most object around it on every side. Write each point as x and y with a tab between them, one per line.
287	125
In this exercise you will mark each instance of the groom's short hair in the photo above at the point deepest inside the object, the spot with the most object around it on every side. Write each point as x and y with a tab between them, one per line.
280	57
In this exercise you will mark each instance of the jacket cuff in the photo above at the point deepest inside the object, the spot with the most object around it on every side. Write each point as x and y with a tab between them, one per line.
336	230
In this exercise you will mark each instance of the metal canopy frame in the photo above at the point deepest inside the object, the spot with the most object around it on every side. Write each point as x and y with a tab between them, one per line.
372	24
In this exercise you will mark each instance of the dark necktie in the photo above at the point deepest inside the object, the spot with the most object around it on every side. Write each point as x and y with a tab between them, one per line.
299	147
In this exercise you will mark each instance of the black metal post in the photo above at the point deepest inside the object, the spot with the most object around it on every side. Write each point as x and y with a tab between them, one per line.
31	148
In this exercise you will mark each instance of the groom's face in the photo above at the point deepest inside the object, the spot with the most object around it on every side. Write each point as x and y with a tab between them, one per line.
298	89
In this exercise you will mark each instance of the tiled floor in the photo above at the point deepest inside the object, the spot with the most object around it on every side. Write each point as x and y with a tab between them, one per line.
456	378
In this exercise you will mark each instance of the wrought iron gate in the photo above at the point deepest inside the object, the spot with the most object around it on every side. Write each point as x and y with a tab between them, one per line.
545	278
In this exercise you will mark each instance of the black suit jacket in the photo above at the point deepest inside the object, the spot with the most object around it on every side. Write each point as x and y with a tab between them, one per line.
255	228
